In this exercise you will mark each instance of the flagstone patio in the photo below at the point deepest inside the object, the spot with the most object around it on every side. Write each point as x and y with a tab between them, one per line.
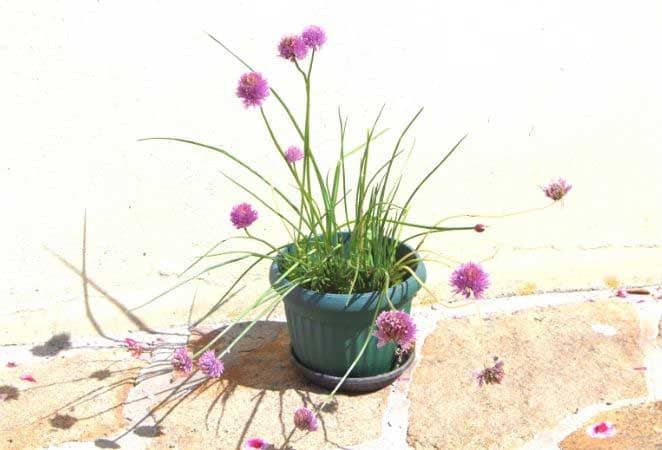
571	360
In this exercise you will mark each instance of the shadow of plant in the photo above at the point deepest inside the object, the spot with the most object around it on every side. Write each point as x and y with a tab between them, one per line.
261	362
8	392
63	421
106	443
149	431
53	346
101	374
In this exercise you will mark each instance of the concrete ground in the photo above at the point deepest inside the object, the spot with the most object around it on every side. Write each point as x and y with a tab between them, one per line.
571	361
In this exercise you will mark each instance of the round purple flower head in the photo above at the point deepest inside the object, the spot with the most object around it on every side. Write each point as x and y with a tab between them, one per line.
252	89
181	361
314	37
395	326
293	154
210	364
556	190
304	419
257	443
292	47
243	215
470	279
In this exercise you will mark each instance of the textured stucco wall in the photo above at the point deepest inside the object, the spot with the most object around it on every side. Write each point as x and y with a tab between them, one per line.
543	89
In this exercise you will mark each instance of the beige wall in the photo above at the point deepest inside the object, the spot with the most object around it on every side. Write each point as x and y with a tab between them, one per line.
544	89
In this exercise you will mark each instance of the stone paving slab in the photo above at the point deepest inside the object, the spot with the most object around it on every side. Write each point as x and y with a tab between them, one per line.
78	396
637	428
555	361
567	363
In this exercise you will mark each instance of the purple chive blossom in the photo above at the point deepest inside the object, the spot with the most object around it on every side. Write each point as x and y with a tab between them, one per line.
293	154
395	326
292	48
252	89
243	215
621	292
490	375
556	190
305	419
601	430
181	361
314	37
134	347
257	443
470	279
210	365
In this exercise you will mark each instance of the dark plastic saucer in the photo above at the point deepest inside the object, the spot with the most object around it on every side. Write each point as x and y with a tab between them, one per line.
364	384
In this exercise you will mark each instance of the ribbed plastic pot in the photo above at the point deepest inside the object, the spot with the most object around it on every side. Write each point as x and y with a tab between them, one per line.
328	330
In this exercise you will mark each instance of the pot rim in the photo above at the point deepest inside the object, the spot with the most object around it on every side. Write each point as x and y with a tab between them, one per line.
408	284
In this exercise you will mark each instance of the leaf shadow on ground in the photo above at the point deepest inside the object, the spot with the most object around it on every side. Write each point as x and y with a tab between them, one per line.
53	346
259	362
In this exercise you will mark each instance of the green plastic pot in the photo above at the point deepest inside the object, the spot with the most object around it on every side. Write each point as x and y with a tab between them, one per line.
328	330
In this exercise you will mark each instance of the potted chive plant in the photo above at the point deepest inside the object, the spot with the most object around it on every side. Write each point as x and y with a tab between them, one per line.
347	273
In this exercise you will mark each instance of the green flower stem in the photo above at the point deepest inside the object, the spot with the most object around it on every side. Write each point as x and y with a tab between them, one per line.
309	205
266	295
233	158
273	91
259	199
222	300
356	360
267	243
432	171
240	252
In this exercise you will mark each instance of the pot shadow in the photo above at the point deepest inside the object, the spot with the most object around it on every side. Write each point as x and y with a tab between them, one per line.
261	360
8	392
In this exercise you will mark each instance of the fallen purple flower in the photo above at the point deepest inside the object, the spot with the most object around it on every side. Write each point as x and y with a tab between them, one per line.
621	293
490	375
257	443
601	430
134	347
28	377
